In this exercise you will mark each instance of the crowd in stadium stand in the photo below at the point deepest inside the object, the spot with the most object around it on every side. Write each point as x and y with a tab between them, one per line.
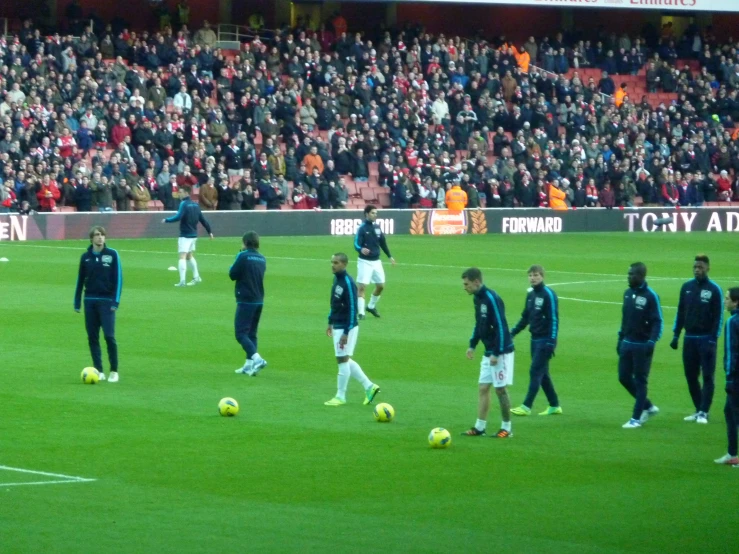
120	120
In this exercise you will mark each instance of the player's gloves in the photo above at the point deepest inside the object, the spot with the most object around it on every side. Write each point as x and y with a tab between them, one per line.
650	348
549	349
674	343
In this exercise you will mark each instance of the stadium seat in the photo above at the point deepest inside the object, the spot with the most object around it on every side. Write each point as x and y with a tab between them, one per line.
369	194
156	206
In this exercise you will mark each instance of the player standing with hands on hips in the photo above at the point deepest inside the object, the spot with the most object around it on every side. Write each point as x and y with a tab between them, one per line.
101	277
189	215
541	315
367	242
496	367
342	327
731	367
248	271
700	313
641	328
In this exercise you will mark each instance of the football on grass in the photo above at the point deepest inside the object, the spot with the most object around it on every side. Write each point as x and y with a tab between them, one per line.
440	438
90	376
228	407
384	413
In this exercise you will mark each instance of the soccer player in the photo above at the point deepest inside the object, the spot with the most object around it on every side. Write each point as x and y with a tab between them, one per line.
189	215
248	271
541	315
342	327
731	366
641	328
368	242
101	276
700	313
496	367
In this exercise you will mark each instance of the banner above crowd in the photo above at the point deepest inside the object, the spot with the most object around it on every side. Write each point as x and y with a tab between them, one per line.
664	5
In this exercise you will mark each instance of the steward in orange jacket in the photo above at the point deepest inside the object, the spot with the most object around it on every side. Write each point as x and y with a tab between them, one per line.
456	198
557	198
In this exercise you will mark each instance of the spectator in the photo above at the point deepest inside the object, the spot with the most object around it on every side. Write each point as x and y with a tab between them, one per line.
606	197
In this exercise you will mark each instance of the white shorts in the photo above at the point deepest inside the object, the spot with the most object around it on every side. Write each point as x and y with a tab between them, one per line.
351	342
185	245
500	374
370	272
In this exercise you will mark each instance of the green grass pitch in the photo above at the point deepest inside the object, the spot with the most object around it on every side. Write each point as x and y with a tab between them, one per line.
290	475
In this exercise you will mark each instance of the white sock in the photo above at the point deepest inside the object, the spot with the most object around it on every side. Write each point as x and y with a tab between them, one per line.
247	364
373	301
256	357
361	305
506	426
194	268
359	375
182	265
342	382
481	424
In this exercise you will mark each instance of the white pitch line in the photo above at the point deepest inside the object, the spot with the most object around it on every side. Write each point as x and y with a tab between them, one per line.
34	483
584	282
325	260
605	302
45	473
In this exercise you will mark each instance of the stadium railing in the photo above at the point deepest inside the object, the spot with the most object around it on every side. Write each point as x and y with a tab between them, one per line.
603	96
230	36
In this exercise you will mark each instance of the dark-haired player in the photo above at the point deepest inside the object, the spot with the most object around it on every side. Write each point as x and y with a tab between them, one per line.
496	367
368	242
343	329
700	313
101	276
731	367
189	215
641	328
248	273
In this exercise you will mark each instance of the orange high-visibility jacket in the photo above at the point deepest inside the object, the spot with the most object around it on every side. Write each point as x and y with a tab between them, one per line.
456	199
619	97
557	198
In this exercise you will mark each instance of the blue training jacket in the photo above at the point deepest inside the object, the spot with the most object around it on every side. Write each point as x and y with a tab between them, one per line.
700	310
100	275
541	314
189	215
731	348
491	327
343	313
248	271
641	315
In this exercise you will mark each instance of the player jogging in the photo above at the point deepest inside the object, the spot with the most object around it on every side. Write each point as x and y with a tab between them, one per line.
367	242
248	273
541	315
641	328
101	276
731	367
700	313
496	367
342	327
189	215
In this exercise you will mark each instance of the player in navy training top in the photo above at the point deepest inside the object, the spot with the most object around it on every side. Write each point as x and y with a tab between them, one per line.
342	327
248	272
641	328
368	242
700	312
496	366
541	315
101	277
731	368
189	215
